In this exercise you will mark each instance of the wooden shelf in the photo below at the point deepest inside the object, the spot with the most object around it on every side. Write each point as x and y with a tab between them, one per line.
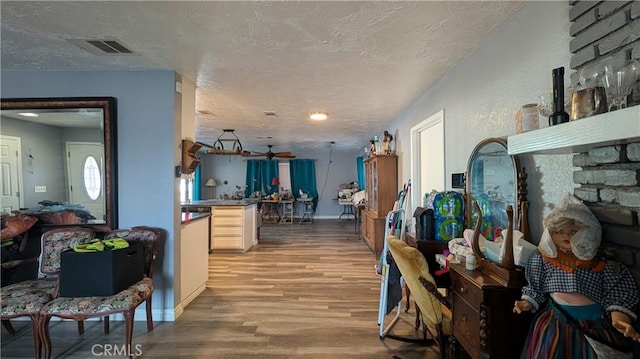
611	128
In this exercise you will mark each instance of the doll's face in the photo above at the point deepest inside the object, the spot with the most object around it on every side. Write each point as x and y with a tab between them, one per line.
562	235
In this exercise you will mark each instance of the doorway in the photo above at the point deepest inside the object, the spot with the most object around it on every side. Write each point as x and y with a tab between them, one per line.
427	158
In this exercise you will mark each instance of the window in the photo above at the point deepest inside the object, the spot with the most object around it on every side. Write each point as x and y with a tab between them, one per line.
186	190
284	176
92	178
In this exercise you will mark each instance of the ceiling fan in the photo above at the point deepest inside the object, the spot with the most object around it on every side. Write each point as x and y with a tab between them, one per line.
269	154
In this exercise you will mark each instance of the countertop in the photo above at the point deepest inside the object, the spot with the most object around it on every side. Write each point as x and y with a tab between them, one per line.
221	202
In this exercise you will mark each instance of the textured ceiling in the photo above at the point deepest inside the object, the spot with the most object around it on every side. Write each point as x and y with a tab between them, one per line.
363	62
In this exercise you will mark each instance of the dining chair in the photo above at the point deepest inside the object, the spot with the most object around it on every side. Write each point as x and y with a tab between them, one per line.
124	302
26	298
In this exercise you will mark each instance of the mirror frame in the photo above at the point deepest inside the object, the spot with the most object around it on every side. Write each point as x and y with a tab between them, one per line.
108	106
519	180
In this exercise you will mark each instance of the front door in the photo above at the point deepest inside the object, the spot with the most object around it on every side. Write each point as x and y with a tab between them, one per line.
11	174
85	171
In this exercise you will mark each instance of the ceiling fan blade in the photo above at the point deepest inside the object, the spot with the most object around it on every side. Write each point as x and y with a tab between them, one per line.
286	153
289	155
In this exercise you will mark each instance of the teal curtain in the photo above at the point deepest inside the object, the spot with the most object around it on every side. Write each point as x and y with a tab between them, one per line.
303	177
260	173
197	192
360	167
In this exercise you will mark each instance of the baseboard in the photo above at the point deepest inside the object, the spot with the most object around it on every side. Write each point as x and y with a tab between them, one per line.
192	296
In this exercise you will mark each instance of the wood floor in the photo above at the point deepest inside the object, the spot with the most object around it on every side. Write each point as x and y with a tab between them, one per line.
306	291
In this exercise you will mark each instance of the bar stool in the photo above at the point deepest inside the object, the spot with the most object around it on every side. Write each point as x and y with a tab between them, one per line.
287	211
270	211
307	210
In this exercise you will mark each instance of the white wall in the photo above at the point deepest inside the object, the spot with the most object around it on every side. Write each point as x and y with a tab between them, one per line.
146	150
482	94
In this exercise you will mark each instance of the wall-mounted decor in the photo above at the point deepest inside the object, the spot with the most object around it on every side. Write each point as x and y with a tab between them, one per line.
189	159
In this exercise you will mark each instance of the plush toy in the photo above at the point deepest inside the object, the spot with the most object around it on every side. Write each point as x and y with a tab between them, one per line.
584	304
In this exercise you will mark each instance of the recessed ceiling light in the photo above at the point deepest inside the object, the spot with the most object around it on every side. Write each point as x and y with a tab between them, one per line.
318	115
28	114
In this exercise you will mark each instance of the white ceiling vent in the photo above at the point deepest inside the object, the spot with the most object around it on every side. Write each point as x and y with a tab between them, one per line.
107	46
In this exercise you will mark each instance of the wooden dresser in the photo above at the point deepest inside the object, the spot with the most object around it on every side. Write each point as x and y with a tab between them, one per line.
483	321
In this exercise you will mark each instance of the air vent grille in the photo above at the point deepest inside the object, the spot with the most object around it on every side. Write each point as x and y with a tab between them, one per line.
110	46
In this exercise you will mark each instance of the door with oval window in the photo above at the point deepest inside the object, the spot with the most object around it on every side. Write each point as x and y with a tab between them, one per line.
85	175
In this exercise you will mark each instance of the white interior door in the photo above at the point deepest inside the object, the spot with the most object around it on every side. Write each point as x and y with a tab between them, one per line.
85	173
427	158
11	181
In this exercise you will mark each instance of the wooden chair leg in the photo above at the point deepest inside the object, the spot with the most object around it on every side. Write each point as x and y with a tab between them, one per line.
149	315
6	323
128	329
80	327
35	328
45	339
106	324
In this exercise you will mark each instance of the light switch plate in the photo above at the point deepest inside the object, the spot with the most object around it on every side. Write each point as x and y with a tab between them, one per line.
41	189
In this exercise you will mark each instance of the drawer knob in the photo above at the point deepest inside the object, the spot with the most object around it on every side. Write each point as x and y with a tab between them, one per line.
462	290
465	317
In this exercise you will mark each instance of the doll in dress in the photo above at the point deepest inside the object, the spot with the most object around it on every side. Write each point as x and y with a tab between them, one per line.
584	304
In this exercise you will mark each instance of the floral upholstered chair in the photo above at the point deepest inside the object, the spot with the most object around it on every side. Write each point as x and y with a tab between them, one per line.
25	299
124	302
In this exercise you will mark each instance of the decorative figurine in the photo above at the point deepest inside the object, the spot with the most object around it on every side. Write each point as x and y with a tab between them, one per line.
387	142
584	303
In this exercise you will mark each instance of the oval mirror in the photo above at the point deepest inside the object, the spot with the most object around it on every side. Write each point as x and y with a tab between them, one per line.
493	181
64	167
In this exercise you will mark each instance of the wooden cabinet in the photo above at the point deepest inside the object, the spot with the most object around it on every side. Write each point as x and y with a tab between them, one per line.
233	227
483	320
381	175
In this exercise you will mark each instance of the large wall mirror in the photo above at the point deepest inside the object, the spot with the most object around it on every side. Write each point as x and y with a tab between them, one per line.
59	159
494	181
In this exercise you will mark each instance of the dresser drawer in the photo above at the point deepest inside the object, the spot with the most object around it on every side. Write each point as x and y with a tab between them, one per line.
227	231
227	221
467	290
466	325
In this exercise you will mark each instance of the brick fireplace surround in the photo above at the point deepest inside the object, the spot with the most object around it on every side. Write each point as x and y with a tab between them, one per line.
609	179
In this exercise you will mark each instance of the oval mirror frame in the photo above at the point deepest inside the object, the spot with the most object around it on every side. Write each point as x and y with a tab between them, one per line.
496	178
108	107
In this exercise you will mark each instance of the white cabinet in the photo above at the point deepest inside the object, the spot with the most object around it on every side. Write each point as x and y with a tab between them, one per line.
233	227
194	259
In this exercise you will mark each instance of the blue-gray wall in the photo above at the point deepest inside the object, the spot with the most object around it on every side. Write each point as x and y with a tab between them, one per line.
146	145
332	170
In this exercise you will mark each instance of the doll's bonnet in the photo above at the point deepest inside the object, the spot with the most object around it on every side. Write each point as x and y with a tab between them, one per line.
585	243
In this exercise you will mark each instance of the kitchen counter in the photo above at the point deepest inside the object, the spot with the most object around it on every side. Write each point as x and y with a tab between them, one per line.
221	202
